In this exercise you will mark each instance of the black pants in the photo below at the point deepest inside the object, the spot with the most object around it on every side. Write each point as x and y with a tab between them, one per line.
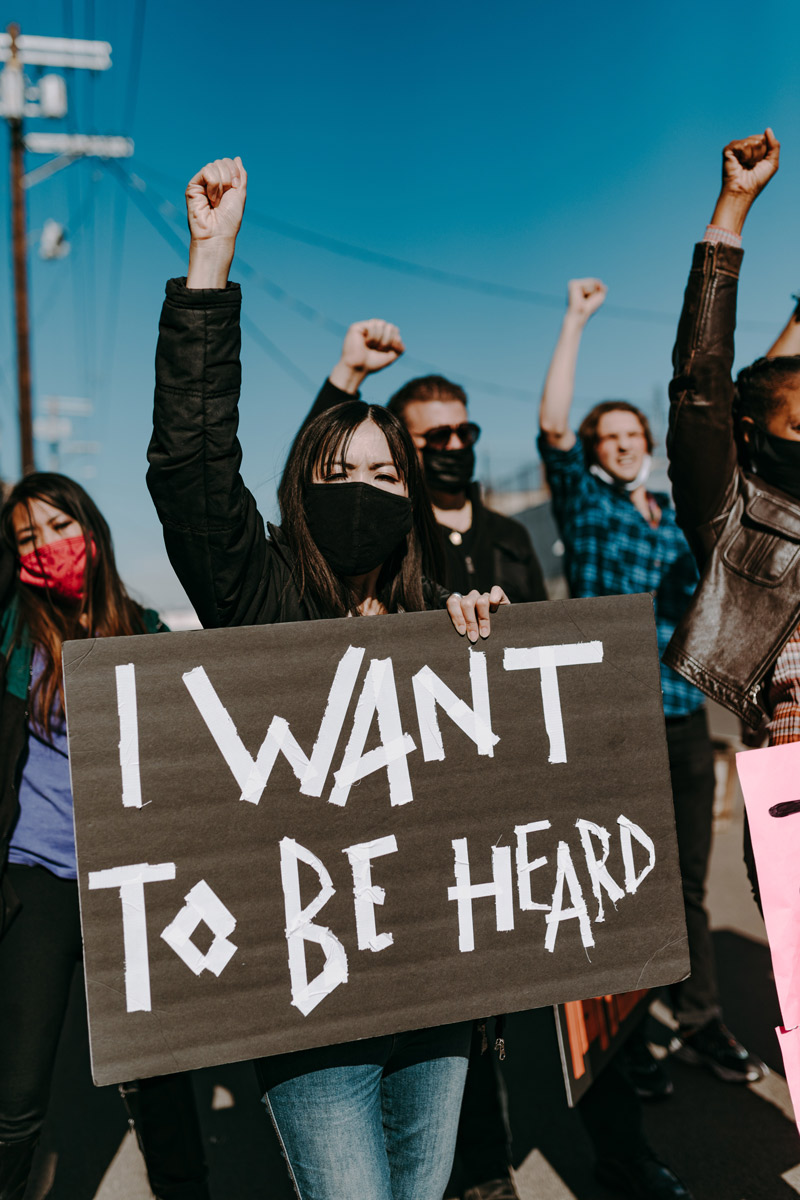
691	762
611	1111
38	957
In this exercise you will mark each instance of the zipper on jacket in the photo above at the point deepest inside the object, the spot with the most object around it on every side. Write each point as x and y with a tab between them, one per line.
708	270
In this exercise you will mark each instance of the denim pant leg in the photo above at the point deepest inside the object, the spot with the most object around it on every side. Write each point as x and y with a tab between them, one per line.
372	1119
691	760
330	1126
421	1104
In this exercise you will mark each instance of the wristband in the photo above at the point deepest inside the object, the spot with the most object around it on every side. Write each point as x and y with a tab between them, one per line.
723	237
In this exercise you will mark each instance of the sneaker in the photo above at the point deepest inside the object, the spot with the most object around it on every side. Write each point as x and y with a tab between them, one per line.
493	1189
715	1047
649	1079
643	1178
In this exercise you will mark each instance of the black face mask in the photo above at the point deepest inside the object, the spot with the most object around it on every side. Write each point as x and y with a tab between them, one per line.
776	460
449	470
356	526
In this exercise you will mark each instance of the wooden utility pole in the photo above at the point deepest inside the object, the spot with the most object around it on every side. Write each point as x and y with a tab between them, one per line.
20	257
48	98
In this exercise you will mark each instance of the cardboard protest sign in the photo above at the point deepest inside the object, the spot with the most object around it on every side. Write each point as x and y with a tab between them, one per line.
590	1032
295	835
770	780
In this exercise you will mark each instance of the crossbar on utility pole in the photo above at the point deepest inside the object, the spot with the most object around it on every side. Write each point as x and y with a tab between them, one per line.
20	259
16	102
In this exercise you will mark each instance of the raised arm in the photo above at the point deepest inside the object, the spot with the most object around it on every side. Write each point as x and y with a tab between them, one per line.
788	340
701	441
215	199
368	346
213	532
584	298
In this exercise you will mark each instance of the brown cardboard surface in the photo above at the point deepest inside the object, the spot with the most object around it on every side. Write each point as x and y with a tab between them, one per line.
202	838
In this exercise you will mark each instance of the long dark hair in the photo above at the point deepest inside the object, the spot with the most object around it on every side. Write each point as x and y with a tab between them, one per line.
105	609
323	442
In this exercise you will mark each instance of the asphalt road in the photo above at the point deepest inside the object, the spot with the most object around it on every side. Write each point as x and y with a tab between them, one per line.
727	1142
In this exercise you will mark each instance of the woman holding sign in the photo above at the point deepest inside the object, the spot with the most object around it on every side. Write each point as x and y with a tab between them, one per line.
58	581
376	1117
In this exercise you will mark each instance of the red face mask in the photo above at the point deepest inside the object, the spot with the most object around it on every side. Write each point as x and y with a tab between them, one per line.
60	566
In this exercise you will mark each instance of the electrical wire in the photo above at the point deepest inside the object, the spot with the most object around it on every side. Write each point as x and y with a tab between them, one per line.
119	218
179	245
168	212
454	279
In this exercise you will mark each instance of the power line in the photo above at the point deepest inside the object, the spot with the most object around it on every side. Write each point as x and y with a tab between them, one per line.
119	218
454	279
167	211
179	245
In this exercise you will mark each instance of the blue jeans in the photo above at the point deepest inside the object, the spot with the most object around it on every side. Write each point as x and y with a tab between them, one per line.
370	1120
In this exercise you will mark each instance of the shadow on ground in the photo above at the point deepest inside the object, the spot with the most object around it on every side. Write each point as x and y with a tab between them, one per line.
725	1141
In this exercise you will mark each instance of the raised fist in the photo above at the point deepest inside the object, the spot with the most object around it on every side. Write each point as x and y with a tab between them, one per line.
585	296
749	163
215	200
370	346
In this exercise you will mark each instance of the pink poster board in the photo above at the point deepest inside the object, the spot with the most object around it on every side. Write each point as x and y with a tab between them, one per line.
770	780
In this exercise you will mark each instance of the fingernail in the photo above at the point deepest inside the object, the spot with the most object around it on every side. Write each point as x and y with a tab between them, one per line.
473	635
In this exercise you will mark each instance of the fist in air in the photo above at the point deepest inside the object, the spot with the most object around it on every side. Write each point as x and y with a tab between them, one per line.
215	199
371	345
368	346
585	296
749	163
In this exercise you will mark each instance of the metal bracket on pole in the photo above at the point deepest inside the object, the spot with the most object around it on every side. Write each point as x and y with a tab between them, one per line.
57	52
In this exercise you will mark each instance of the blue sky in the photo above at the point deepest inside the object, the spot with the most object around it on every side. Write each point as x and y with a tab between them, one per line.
519	143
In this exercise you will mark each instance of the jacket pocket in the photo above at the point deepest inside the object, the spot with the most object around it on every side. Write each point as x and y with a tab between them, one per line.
762	557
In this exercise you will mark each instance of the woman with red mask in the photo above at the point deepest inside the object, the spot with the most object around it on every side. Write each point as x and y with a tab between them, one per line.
58	582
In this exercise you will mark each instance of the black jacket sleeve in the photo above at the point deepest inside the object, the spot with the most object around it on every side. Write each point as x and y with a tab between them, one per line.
214	534
701	443
328	396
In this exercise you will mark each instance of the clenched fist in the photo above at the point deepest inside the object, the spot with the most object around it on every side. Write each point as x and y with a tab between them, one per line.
368	346
215	199
749	163
585	296
747	167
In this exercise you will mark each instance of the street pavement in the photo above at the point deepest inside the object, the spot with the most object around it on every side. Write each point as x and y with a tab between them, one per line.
728	1142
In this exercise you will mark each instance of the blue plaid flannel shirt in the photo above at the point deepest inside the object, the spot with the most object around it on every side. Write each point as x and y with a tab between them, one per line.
611	550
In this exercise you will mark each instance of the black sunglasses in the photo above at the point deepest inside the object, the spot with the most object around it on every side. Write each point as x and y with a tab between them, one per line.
467	433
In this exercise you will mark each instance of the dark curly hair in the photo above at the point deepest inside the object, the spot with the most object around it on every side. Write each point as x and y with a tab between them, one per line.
587	430
762	387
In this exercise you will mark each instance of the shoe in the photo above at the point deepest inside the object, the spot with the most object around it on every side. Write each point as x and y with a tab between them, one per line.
649	1079
715	1047
643	1178
493	1189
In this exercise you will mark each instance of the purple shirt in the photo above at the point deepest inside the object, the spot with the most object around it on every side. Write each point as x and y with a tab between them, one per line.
44	835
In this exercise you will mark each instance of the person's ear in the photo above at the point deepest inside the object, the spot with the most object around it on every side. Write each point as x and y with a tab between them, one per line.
748	425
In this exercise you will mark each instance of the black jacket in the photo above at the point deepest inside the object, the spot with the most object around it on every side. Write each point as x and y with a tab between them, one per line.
233	573
744	533
496	549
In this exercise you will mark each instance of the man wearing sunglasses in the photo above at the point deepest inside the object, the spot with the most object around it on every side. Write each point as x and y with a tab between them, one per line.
482	547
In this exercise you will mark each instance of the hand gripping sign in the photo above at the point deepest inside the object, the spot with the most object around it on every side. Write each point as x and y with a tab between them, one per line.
295	835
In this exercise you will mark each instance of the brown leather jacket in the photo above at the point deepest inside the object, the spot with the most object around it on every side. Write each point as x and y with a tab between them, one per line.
744	533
